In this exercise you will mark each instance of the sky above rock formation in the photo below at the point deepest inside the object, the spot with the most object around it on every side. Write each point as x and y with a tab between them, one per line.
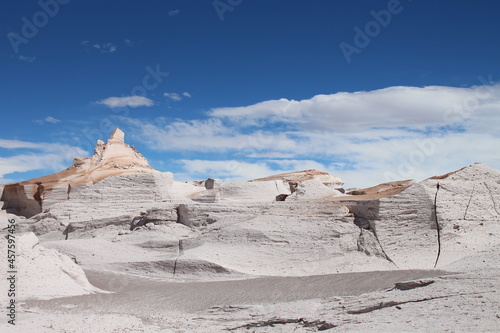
370	91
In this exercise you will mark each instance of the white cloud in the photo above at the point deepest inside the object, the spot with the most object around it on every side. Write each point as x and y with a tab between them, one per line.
205	135
48	119
389	107
15	144
130	101
177	97
6	180
52	120
47	156
271	154
105	47
288	165
228	170
174	12
173	96
364	137
128	42
29	162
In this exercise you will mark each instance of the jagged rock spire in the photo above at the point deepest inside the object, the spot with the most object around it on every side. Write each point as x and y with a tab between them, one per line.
117	136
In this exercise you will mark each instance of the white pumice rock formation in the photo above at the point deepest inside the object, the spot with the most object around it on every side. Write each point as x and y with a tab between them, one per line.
113	158
265	191
312	189
44	273
427	225
299	176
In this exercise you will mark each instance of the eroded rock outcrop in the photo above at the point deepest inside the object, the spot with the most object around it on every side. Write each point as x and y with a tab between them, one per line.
294	178
45	273
113	158
262	191
298	223
436	221
312	189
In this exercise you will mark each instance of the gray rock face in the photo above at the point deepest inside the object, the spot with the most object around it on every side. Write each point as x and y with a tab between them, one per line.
183	215
212	183
135	188
112	201
156	216
427	224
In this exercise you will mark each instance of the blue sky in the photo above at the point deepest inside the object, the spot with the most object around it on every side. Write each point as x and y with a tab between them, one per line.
239	89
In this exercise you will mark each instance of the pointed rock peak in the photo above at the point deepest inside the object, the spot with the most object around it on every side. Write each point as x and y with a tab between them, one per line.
117	136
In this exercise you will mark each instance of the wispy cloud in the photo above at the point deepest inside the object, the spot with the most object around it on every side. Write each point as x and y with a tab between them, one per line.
48	119
101	47
26	58
36	156
228	170
173	96
177	97
174	12
105	47
130	101
205	135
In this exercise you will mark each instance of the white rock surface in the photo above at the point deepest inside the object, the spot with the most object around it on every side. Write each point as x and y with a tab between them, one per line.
467	204
44	273
299	176
262	191
312	189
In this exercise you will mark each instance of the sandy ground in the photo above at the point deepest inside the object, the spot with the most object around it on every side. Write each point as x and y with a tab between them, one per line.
348	302
144	297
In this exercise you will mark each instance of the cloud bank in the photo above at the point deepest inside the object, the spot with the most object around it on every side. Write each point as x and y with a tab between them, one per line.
366	137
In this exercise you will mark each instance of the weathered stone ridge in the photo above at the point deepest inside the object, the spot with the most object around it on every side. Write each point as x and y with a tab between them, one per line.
300	222
113	158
